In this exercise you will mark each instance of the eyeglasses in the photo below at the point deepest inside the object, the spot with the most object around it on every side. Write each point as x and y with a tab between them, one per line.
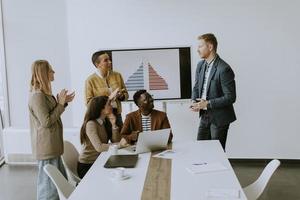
148	98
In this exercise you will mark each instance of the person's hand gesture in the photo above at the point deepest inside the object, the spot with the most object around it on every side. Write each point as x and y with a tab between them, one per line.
196	107
61	97
123	143
70	97
113	95
112	118
120	95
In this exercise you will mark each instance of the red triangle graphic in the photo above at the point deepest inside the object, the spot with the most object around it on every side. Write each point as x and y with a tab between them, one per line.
156	82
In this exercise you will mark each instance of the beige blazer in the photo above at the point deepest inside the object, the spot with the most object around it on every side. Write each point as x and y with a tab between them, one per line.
45	126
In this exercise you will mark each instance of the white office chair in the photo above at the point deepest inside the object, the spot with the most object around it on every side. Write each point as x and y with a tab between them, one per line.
254	190
70	160
64	188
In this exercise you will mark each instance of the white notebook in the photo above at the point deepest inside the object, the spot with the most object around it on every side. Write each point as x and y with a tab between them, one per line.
224	194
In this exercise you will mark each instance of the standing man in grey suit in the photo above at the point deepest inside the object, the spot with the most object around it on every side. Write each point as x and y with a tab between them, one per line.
214	92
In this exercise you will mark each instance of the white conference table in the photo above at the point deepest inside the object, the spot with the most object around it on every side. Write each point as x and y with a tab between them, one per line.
157	178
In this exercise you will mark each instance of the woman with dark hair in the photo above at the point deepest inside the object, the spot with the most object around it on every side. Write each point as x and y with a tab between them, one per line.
104	81
94	135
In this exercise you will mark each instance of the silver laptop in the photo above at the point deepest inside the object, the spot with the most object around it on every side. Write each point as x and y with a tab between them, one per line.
150	141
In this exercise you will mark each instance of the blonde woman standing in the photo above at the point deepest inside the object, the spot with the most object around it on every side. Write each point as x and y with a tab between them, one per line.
46	126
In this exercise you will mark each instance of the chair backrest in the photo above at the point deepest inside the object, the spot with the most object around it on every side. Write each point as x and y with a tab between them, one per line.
254	190
70	159
64	188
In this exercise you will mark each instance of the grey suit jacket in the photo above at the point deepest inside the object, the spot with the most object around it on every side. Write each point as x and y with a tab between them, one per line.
221	91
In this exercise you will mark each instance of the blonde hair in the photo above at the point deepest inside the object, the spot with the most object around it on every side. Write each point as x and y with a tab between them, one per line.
40	76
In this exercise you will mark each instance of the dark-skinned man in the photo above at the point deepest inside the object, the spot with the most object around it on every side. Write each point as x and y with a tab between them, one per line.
146	118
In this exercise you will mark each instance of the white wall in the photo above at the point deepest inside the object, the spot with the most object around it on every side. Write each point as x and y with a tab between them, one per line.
34	30
258	38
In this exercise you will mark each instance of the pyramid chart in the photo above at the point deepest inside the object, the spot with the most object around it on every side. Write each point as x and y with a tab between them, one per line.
156	82
136	80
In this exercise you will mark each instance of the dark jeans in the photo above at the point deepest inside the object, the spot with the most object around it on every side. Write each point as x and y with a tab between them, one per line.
209	131
82	169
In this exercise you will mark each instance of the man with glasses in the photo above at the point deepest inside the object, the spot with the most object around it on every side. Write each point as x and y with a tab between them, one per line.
146	118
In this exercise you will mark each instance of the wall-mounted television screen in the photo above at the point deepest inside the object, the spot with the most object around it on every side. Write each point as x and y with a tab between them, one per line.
163	72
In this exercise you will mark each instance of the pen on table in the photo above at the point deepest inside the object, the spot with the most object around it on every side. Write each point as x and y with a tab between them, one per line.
203	163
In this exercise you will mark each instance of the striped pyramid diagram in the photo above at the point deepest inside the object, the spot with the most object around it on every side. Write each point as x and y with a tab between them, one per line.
136	80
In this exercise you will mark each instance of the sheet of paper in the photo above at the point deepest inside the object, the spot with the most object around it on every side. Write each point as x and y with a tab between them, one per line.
167	154
222	193
204	167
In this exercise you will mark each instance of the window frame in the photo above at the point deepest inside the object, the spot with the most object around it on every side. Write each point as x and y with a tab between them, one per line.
5	117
